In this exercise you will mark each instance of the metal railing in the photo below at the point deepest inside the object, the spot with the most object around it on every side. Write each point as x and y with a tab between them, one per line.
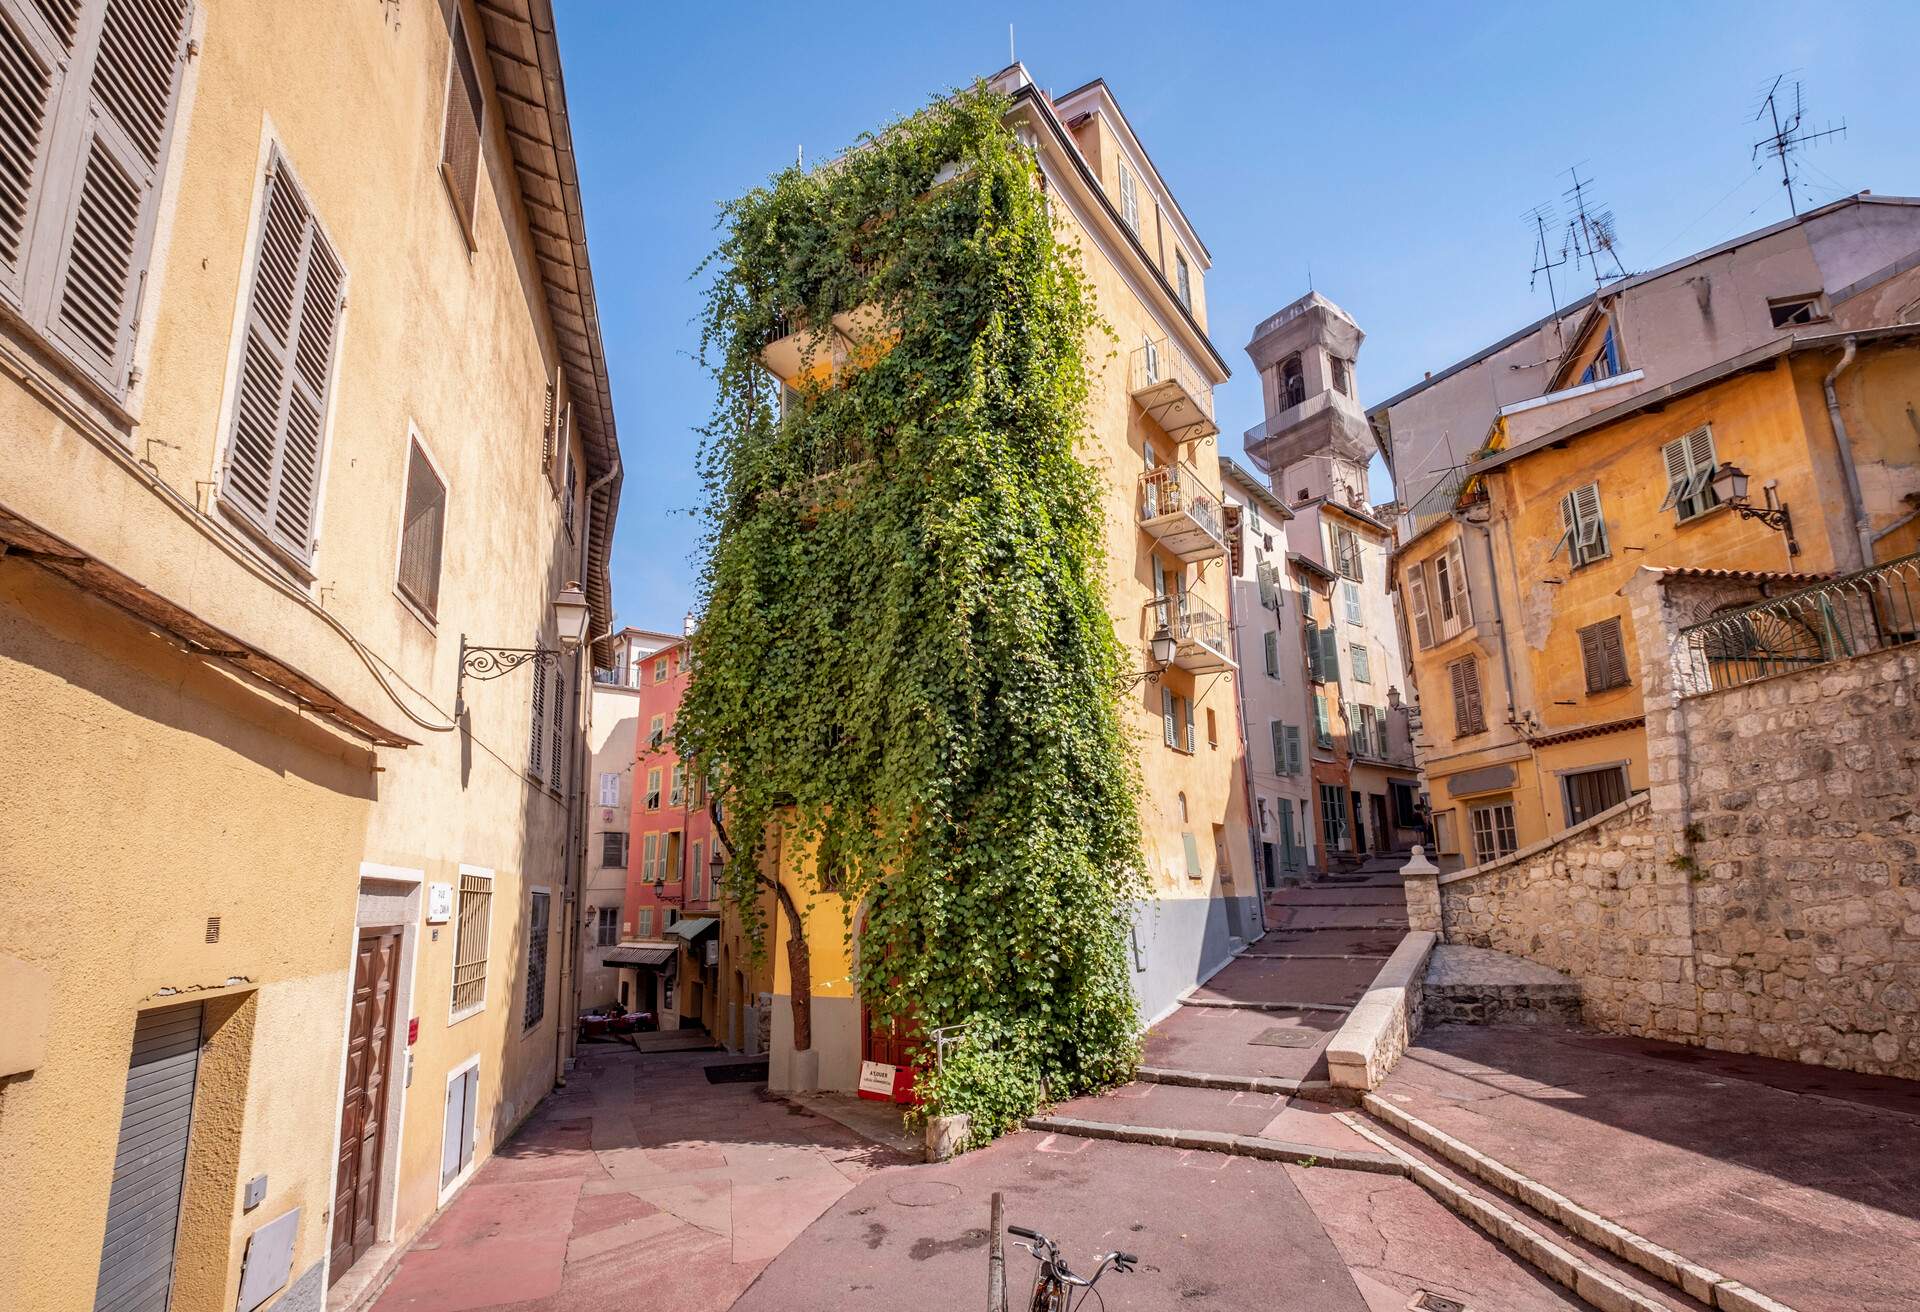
1171	489
1191	621
1162	361
1867	611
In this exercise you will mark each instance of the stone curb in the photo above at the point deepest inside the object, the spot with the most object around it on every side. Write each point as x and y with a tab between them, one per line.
1563	1266
1233	1145
1320	1089
1329	929
1234	1004
1385	1020
1313	956
1700	1282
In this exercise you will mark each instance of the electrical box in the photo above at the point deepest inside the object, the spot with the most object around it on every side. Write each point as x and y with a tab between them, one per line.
269	1260
256	1193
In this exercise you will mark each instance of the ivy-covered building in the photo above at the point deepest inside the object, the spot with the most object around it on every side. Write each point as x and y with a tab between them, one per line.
979	493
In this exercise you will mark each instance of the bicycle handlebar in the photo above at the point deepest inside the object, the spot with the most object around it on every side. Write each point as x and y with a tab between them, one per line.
1023	1232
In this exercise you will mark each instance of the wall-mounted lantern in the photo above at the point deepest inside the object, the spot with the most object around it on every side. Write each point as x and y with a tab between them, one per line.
1730	485
1162	648
570	616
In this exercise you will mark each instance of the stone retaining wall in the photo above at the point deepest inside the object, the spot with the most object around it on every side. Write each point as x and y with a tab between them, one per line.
1764	896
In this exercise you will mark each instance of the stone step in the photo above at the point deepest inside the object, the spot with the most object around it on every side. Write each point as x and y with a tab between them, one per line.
1556	1252
1695	1282
1478	986
1235	1145
1314	956
1240	1004
1302	1088
1329	983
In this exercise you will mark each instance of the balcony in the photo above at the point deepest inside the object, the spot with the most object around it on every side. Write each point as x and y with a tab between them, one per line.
857	337
1182	513
1171	389
1201	638
1324	420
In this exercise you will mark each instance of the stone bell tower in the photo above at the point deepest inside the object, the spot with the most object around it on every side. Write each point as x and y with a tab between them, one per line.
1314	441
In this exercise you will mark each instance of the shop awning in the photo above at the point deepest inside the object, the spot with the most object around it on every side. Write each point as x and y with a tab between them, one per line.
641	954
694	928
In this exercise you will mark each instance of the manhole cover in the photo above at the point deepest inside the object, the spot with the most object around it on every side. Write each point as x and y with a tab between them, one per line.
1429	1302
923	1193
1281	1036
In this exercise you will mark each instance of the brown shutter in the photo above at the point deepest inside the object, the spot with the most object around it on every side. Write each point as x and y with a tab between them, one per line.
286	366
460	144
557	774
421	533
109	214
1591	658
539	736
1467	715
1416	581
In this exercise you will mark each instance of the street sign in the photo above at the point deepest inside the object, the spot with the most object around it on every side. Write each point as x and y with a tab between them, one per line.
439	903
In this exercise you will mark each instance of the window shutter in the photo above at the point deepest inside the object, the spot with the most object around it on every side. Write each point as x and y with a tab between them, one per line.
1592	660
537	747
1417	603
30	69
1330	655
1315	671
1591	538
609	789
1166	712
1616	654
1569	530
1603	655
108	222
1268	580
1674	456
286	363
1467	715
1272	644
1458	577
567	493
557	771
460	143
1190	738
421	532
1292	733
1277	729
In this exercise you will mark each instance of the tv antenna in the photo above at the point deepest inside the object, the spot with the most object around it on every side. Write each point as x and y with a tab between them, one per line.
1789	132
1592	236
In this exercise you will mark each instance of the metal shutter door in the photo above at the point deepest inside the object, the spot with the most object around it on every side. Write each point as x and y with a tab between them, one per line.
143	1211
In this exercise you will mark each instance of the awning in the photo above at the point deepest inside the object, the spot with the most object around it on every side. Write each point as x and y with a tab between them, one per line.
641	954
693	929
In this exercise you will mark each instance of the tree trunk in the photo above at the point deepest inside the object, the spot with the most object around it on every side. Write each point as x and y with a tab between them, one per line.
799	958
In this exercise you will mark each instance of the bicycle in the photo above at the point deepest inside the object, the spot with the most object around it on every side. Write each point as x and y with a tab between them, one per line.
1054	1283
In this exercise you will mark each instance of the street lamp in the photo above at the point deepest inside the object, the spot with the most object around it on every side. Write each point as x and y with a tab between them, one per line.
570	617
1729	483
1162	647
716	867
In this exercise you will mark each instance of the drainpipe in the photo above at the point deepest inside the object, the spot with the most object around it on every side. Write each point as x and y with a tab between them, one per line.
1862	525
1485	533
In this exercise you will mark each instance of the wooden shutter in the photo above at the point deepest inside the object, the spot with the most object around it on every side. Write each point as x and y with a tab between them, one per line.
286	367
1569	531
1190	738
1417	603
609	788
1467	715
1271	641
1166	713
1590	538
150	1162
1294	760
460	140
557	719
421	532
1269	581
1603	655
1673	457
1330	655
35	42
105	221
538	913
1457	577
537	747
1276	729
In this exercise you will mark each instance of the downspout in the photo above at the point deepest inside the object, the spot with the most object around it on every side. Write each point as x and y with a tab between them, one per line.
576	857
1485	534
1862	525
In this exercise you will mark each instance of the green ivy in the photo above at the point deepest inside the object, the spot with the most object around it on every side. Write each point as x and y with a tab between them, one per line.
904	654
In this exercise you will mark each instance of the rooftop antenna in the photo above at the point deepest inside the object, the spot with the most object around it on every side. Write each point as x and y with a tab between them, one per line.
1543	262
1011	57
1591	233
1789	134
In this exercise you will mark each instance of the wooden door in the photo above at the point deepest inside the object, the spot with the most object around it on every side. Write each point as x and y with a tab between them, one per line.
363	1101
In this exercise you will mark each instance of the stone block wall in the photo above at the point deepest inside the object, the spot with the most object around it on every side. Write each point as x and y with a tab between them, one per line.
1602	902
1804	793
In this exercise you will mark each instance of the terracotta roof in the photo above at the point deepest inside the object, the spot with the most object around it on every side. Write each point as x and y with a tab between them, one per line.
1746	575
1589	731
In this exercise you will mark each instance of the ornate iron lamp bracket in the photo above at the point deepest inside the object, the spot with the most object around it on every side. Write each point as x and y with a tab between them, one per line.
491	663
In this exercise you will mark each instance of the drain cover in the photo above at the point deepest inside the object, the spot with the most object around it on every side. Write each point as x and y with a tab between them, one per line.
1430	1302
923	1193
1280	1036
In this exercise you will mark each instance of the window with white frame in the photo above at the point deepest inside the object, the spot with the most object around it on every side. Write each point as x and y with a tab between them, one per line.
537	936
471	933
1436	596
1583	530
1493	833
653	789
610	788
1689	463
1177	713
1129	199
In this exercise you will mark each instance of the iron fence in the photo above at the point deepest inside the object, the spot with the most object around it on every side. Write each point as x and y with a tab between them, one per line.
1867	611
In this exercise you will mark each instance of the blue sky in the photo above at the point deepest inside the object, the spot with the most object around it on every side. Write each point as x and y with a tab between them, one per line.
1392	151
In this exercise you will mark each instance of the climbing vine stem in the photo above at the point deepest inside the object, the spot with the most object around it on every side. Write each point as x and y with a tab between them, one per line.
905	673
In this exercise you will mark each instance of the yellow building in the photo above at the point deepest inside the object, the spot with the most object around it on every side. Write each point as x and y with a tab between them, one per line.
298	405
1524	654
1152	437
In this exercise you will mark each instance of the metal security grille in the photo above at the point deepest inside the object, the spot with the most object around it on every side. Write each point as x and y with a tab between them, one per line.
470	950
150	1162
537	960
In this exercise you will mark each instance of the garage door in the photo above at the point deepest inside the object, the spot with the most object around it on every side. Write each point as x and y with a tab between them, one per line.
143	1211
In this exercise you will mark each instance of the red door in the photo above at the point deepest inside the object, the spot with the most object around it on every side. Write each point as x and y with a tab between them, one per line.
363	1101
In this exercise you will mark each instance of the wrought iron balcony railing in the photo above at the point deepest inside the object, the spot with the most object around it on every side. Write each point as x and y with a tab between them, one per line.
1171	389
1182	513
